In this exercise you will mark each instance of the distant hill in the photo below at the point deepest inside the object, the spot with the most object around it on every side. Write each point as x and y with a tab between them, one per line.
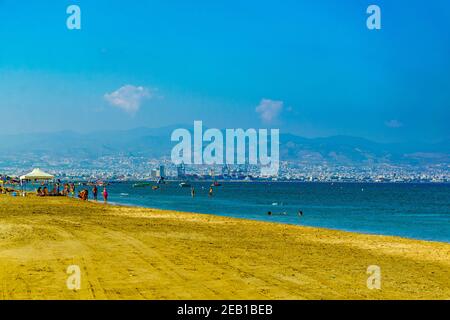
353	151
155	143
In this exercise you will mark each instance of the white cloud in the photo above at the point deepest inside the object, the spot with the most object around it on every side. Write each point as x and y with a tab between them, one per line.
129	98
393	124
269	109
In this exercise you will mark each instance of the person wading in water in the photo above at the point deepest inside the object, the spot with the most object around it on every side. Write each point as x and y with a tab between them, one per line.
95	192
105	195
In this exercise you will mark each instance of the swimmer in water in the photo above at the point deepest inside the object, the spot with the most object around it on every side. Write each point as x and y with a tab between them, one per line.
300	213
270	213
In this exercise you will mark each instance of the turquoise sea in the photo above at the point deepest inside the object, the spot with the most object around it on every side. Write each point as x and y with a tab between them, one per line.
420	211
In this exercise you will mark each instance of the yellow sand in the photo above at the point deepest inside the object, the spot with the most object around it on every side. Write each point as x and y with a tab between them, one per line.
134	253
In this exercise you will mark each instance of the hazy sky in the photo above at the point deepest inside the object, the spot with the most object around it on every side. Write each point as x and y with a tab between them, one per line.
307	67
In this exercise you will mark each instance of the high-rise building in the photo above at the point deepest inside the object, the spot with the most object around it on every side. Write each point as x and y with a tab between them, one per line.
181	171
162	171
225	171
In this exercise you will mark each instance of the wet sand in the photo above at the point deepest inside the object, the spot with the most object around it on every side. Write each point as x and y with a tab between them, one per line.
137	253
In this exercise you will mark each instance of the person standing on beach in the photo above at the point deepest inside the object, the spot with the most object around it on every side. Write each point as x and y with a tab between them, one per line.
72	189
94	192
105	195
65	190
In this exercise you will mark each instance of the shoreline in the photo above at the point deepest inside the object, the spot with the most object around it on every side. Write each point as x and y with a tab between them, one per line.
262	219
130	205
303	182
139	253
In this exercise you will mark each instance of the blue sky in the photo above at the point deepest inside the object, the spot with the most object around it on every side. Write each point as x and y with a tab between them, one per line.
306	67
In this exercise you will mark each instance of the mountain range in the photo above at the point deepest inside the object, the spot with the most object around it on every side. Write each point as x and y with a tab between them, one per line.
155	143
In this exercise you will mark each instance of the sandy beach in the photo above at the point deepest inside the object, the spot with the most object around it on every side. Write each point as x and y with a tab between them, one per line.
137	253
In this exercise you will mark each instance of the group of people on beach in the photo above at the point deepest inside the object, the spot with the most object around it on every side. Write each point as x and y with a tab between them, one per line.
69	190
84	194
4	190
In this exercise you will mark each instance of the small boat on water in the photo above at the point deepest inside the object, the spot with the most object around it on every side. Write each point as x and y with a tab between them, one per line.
184	185
96	183
216	184
142	185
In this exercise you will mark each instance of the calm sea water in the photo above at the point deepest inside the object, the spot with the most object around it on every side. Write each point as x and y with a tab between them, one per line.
420	211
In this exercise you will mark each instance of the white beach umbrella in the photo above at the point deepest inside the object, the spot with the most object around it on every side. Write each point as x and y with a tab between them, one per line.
37	174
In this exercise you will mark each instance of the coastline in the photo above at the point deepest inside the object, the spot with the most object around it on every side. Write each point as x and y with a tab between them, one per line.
130	205
381	209
139	253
